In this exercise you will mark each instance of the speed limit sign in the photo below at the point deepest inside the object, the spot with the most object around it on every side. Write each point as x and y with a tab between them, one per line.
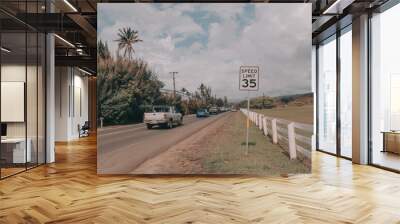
248	78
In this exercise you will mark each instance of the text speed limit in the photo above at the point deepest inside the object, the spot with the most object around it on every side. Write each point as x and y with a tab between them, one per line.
248	78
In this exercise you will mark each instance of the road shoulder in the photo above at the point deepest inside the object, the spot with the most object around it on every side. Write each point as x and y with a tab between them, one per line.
184	157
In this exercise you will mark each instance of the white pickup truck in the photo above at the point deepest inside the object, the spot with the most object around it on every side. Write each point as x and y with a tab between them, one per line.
165	116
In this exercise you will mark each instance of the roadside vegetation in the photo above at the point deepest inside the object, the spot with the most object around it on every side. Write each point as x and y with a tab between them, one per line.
227	153
127	85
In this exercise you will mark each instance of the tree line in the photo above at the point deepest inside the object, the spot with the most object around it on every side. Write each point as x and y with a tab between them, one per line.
127	86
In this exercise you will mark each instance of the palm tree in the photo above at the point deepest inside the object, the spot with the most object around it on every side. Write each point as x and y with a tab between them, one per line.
127	37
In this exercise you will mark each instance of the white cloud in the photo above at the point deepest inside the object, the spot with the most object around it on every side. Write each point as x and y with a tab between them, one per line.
278	39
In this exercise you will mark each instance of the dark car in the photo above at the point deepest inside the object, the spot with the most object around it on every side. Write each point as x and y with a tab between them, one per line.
202	113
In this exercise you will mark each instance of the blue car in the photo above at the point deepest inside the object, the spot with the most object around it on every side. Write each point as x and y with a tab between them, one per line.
202	113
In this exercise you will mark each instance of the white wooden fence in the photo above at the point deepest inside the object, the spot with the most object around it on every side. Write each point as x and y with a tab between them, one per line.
295	138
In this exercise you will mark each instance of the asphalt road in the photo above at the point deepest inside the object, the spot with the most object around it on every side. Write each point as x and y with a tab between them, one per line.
123	148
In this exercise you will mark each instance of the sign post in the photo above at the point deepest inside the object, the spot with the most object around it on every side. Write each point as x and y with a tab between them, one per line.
248	122
248	81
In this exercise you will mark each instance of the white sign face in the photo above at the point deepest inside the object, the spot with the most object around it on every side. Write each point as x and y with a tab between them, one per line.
248	78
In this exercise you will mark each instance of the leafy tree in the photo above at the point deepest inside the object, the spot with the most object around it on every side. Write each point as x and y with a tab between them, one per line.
219	102
225	101
124	85
259	103
127	37
205	95
102	49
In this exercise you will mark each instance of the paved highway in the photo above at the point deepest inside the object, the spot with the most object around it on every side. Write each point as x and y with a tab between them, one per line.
123	148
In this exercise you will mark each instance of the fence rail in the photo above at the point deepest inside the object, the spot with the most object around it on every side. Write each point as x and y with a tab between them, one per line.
295	138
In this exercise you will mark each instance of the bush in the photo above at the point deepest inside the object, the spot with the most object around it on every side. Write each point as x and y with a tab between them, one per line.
123	85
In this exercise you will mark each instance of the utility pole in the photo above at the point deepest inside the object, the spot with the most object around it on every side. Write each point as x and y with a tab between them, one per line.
173	79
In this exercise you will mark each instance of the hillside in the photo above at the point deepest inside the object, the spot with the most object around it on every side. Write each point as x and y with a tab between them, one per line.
267	102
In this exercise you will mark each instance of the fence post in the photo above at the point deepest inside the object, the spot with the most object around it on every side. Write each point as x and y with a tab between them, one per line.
265	127
260	123
257	121
274	132
292	140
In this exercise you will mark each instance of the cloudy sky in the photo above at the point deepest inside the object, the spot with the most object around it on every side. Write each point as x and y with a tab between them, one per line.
209	42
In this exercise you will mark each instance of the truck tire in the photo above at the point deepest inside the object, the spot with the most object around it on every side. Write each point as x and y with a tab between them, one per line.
149	126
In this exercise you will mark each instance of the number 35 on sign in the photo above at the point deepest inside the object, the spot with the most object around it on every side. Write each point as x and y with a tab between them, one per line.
248	78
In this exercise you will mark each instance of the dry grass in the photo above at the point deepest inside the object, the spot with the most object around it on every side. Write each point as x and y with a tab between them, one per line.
302	114
227	155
